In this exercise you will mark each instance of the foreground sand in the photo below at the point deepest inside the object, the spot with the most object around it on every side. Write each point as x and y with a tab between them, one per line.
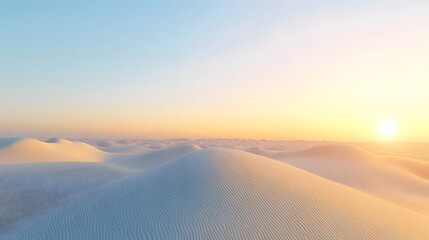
208	189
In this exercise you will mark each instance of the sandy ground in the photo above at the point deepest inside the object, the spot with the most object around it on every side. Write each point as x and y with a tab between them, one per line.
212	189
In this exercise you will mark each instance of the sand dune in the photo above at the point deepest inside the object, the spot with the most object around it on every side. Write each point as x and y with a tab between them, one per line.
416	167
154	158
398	180
116	146
399	149
29	189
177	190
226	194
18	150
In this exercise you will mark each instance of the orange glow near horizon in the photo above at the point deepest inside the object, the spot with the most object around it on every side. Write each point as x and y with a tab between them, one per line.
252	127
313	75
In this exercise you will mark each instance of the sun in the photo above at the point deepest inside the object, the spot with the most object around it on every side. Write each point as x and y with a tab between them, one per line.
387	128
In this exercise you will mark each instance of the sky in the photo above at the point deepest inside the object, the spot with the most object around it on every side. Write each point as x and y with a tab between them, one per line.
307	69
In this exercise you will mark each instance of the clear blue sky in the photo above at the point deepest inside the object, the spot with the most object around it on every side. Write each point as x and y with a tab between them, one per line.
199	68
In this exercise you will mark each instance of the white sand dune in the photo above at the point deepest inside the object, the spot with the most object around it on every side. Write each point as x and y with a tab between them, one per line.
27	150
416	167
226	194
399	149
60	189
154	158
125	149
29	189
116	146
398	180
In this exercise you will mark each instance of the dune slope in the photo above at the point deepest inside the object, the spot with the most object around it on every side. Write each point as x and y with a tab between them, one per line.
398	180
226	194
30	189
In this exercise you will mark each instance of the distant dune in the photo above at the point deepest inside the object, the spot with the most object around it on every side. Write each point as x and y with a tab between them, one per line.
154	158
26	150
183	191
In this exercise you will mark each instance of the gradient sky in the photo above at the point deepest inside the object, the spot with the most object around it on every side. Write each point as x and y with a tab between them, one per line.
250	69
